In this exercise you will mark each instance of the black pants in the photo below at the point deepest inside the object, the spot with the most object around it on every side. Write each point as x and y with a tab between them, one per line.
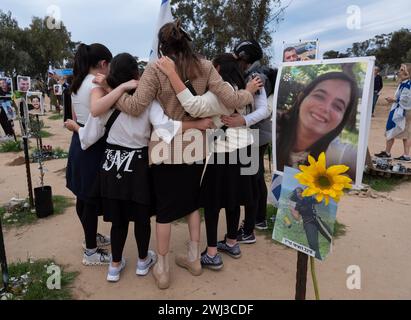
211	220
67	107
6	123
87	213
258	211
311	230
142	233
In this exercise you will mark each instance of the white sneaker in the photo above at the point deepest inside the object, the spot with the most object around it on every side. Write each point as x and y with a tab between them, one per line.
102	241
143	267
98	258
113	274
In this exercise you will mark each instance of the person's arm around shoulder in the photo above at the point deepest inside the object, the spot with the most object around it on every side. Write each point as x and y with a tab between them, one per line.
103	97
205	105
146	92
224	92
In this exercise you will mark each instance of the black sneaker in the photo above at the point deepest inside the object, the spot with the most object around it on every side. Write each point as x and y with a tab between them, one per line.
383	155
403	159
261	225
233	252
246	238
213	263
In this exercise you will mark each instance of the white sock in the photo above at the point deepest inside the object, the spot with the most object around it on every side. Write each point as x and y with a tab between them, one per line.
230	245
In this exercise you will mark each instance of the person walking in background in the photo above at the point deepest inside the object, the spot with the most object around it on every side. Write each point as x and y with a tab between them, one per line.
378	85
51	81
399	119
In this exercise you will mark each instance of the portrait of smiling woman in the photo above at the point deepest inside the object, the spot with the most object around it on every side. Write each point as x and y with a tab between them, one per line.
318	110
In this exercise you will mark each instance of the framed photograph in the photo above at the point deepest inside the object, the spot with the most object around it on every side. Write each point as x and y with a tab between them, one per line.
23	83
301	222
8	109
35	103
323	106
301	51
6	87
58	89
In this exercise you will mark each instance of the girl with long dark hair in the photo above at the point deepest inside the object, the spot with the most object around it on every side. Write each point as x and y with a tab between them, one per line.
82	165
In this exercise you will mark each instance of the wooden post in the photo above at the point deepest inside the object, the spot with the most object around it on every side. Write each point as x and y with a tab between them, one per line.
301	276
28	173
3	260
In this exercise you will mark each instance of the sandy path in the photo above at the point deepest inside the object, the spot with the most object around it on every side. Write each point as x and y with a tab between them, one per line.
377	241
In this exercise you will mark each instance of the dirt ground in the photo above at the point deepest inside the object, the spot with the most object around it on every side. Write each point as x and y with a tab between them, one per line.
377	239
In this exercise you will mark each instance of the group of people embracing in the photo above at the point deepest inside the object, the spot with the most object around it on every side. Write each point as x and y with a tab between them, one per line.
174	140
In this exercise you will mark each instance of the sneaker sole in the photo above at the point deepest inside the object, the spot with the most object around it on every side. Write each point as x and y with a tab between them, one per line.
87	263
261	228
211	267
113	279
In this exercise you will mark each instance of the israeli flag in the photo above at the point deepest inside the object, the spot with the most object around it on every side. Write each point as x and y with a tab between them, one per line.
396	119
164	17
276	189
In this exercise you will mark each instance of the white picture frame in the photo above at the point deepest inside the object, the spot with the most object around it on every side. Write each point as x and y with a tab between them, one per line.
364	108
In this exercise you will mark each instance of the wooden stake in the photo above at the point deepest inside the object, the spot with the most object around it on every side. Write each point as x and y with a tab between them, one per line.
301	276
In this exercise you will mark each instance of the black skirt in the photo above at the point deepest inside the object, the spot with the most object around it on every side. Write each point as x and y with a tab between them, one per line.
83	167
124	178
176	190
223	185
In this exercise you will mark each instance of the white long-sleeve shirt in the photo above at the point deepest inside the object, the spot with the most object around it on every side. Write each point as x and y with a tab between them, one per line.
208	105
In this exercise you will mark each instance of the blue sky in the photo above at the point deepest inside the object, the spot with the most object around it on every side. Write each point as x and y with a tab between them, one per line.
128	25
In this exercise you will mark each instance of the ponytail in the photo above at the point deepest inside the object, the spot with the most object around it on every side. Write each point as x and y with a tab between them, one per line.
86	57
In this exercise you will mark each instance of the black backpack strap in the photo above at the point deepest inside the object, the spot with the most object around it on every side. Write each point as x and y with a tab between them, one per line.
111	120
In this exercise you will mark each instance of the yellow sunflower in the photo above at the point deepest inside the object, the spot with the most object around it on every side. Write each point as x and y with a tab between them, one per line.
323	182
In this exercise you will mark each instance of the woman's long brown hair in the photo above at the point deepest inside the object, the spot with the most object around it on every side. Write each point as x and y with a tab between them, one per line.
174	42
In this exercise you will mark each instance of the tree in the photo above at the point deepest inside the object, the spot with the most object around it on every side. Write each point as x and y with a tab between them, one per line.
48	46
29	51
13	59
331	54
216	25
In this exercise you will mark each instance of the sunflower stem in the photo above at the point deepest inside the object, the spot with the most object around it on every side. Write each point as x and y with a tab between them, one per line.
314	277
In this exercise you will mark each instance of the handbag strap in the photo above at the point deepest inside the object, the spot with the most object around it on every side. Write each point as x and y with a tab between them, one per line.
111	120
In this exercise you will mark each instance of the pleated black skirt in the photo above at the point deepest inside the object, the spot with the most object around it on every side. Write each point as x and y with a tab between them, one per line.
176	190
